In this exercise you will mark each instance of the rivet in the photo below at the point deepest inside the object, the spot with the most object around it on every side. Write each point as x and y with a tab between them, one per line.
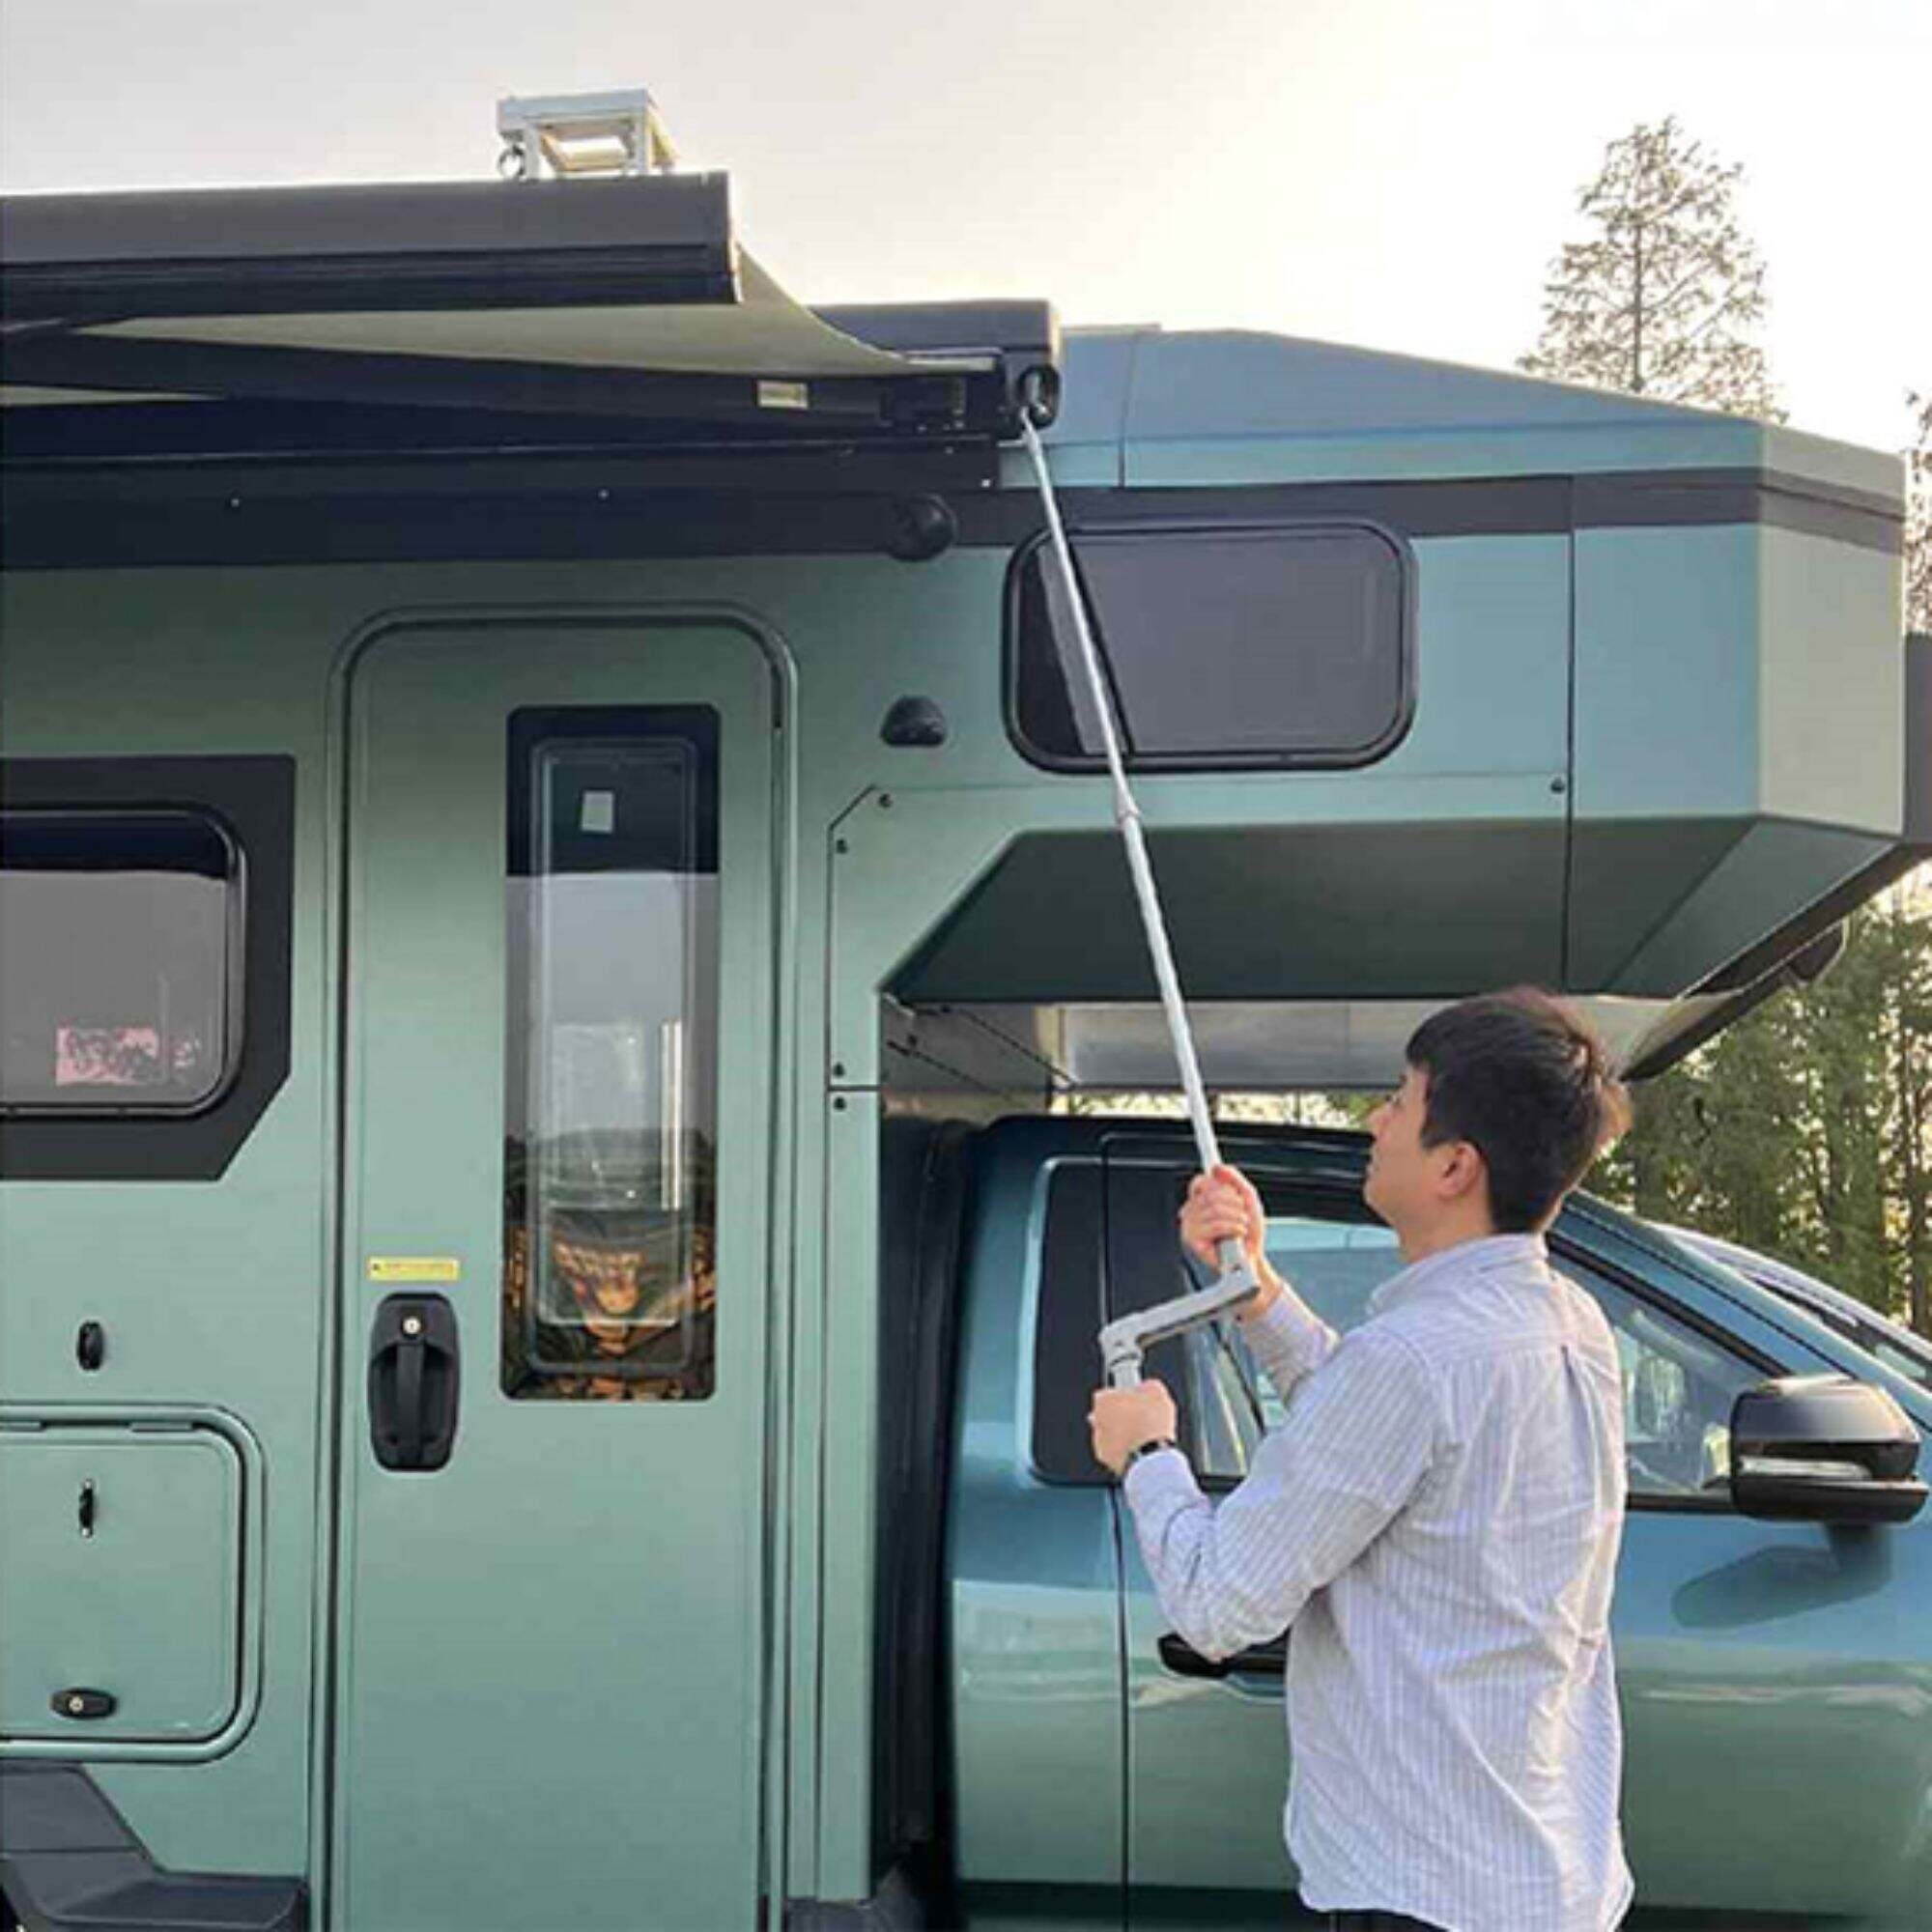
840	845
1559	785
885	800
839	1104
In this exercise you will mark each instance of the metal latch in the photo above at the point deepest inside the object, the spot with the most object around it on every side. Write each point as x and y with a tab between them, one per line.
79	1703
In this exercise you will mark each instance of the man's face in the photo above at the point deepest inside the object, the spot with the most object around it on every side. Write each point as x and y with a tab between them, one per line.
1400	1184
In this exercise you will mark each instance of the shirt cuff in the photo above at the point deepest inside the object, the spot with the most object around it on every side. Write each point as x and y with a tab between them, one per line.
1164	1477
1287	1338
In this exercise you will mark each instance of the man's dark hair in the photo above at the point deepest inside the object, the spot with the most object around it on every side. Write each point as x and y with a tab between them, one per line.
1527	1082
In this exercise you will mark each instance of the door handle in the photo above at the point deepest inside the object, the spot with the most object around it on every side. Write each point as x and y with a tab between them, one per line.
414	1376
1262	1659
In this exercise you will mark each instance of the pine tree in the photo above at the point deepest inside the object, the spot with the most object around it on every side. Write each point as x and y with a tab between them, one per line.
1665	296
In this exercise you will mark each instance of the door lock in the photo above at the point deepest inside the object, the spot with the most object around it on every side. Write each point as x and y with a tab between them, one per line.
412	1382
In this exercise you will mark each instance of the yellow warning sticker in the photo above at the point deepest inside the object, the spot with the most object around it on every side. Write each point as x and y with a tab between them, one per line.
414	1268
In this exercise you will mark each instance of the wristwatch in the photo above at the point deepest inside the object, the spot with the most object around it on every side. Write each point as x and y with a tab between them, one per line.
1152	1447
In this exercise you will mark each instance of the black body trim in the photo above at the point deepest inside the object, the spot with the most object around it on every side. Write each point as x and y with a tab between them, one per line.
853	509
767	498
254	800
89	258
358	449
68	1861
920	1253
1508	505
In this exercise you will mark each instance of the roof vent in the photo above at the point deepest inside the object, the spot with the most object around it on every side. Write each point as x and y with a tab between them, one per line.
620	134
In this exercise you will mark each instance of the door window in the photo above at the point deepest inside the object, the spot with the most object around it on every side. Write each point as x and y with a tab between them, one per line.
1679	1384
611	908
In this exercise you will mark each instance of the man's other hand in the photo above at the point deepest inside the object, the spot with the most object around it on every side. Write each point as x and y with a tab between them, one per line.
1123	1419
1221	1207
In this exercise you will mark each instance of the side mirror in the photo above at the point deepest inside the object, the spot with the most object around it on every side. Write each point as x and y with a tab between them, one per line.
1824	1449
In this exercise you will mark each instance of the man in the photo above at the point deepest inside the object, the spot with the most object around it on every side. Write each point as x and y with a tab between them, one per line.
1437	1517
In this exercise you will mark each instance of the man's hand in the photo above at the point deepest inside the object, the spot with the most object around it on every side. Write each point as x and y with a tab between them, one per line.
1123	1419
1224	1205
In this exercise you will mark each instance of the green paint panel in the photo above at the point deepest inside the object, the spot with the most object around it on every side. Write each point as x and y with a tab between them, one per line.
120	1572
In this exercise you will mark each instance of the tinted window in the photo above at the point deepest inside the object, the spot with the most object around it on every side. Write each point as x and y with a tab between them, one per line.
1679	1384
120	943
1224	646
612	1055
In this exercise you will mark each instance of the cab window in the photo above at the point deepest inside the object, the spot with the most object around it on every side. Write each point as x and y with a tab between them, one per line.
1679	1384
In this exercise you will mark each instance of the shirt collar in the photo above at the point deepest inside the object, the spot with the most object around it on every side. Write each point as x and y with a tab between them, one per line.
1482	1256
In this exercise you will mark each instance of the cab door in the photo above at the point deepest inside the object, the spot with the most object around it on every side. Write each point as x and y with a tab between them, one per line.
559	1052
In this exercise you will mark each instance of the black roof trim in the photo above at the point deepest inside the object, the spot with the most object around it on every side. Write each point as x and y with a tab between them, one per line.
1461	506
77	259
817	500
235	502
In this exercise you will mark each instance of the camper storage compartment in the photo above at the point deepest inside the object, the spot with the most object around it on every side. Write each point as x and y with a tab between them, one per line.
121	1562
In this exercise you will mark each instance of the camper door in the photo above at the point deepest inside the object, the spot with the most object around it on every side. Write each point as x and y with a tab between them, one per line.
559	1079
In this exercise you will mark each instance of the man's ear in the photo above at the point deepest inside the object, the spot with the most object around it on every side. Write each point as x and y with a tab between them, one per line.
1463	1172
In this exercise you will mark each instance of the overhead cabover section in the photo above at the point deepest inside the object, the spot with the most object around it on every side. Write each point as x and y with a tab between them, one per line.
1735	677
1436	680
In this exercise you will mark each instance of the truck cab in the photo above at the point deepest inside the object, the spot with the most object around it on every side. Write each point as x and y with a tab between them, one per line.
1100	1772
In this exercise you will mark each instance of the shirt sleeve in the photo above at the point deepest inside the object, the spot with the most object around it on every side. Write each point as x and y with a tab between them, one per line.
1359	1438
1288	1339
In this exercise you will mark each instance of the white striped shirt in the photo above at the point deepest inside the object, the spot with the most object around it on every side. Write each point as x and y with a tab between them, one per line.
1437	1518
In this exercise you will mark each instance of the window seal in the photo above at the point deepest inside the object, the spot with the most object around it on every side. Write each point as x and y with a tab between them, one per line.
1355	760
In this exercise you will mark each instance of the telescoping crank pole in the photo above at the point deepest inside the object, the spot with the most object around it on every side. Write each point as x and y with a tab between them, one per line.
1123	1342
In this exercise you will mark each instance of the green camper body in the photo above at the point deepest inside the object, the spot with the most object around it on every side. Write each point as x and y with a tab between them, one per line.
627	1663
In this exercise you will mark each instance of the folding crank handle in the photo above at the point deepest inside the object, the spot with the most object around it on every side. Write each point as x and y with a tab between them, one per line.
1124	1341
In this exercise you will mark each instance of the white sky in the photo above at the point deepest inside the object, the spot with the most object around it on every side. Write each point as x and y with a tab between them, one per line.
1396	173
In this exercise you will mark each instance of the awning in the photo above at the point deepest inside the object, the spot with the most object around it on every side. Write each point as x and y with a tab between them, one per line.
628	300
